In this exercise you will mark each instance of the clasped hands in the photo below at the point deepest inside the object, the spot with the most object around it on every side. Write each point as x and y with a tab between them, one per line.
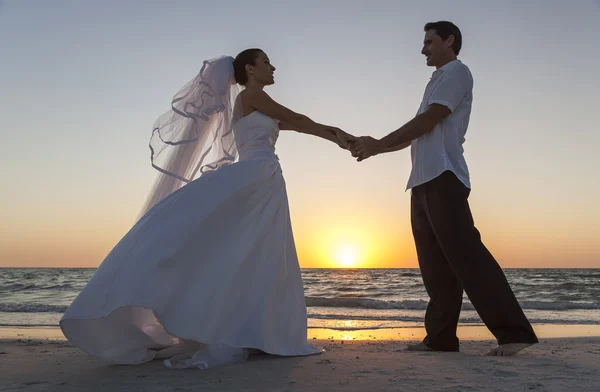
361	147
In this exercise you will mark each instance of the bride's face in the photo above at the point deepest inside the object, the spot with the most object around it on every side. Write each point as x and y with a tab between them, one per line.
263	70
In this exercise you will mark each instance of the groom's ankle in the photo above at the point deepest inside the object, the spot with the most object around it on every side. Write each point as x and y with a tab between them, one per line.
445	345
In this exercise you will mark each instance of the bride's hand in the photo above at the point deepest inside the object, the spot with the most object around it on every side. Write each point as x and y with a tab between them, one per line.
344	140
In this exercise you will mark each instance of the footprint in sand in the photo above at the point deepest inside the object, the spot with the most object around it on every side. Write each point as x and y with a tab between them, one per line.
34	382
504	373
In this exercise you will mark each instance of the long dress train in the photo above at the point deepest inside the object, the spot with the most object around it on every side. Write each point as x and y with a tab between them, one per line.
206	275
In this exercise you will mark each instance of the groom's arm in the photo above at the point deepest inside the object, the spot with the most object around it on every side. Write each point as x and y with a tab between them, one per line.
420	125
397	148
401	138
446	96
444	99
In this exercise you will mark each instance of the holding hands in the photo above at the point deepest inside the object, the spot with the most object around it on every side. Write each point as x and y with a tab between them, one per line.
344	139
365	147
361	147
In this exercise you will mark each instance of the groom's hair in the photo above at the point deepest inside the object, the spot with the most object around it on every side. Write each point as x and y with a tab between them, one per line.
445	29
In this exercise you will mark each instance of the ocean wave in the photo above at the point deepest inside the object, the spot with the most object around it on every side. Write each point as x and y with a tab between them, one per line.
17	325
464	319
17	287
367	303
378	317
354	302
32	308
361	328
465	323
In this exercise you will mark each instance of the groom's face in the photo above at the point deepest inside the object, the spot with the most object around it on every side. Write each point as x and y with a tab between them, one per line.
435	49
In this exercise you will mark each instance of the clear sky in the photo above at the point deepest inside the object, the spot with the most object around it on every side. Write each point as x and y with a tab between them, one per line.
81	83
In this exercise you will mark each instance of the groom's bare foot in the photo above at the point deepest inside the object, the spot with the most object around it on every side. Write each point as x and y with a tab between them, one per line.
509	349
418	347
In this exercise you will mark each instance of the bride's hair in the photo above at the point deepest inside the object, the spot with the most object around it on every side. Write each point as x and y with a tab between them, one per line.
246	57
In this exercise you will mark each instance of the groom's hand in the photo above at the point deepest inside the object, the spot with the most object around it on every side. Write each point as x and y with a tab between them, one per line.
365	147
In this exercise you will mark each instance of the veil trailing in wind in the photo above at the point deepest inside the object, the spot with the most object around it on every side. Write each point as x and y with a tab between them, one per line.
195	136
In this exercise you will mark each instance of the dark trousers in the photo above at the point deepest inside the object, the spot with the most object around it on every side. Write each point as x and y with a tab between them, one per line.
452	258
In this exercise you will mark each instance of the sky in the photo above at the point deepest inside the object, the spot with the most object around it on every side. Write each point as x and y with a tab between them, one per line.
82	82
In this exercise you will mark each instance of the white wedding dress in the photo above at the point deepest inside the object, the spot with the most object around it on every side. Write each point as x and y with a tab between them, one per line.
206	275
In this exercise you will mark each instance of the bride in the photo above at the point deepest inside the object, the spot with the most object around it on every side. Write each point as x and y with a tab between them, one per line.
209	273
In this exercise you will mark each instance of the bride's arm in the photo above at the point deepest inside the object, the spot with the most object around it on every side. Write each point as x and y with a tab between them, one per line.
290	120
283	126
340	137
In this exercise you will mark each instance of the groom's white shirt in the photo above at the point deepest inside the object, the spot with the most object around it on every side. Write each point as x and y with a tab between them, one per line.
441	149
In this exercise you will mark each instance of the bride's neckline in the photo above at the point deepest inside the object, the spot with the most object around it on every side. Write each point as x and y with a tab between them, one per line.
248	115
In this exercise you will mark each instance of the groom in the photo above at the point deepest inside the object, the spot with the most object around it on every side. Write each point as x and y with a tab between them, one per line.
451	256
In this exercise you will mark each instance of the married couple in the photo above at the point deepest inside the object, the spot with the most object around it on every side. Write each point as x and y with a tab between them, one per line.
209	274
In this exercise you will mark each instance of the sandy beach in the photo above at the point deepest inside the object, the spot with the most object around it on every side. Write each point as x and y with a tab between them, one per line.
366	360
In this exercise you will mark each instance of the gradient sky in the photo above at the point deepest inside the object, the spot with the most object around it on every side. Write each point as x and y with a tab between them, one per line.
82	82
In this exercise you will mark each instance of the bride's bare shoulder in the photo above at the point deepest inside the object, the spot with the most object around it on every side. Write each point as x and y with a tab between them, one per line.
250	94
254	99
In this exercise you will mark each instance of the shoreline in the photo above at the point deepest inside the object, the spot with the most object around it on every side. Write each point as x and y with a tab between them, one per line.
555	364
464	332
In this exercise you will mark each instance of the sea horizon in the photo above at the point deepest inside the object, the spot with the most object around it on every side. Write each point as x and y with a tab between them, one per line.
336	268
336	298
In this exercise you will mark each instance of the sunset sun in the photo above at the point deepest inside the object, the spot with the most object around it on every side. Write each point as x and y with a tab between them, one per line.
347	256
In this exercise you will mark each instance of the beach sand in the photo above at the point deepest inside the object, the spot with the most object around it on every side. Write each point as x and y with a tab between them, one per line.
567	359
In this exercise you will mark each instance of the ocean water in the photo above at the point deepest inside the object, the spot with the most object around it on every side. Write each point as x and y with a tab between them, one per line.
343	299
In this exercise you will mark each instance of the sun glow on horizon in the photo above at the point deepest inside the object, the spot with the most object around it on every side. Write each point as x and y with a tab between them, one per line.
347	256
342	243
